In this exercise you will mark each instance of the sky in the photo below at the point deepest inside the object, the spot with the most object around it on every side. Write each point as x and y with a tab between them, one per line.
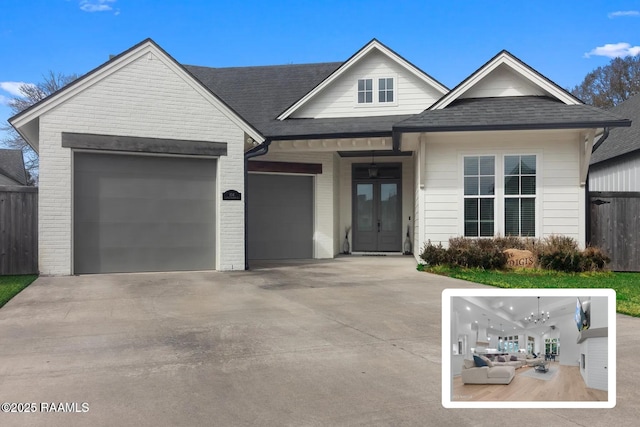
449	40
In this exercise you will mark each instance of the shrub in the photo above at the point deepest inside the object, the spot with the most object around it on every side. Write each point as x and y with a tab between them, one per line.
569	262
465	252
559	253
434	255
594	259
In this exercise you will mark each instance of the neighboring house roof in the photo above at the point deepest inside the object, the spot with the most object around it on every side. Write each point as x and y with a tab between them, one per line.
623	140
12	168
509	113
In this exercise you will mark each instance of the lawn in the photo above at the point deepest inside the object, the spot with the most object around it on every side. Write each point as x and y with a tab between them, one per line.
626	285
11	286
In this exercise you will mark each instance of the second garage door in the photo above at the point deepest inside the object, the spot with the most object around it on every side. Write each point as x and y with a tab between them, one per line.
280	216
143	213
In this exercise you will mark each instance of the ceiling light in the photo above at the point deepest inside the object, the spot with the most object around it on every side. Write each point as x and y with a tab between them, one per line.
468	308
539	317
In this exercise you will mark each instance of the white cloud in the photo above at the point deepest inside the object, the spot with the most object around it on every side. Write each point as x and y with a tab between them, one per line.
621	13
12	87
96	5
4	100
614	50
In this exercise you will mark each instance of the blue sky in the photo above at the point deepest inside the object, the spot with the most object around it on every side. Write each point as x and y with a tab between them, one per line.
563	40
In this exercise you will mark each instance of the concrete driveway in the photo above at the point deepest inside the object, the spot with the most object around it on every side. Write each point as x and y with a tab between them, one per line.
351	341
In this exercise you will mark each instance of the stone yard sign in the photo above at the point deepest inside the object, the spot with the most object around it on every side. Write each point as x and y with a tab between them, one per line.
517	258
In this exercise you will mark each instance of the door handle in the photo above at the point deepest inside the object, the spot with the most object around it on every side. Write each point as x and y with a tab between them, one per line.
378	226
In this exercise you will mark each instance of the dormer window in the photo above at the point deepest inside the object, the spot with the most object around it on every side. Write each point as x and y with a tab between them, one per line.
365	91
383	86
385	90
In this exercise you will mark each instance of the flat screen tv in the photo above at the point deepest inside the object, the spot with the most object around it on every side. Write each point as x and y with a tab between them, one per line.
582	318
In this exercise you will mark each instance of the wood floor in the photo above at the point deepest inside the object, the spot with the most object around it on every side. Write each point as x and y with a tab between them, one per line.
567	386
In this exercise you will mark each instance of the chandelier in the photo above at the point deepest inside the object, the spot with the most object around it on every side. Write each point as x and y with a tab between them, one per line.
541	316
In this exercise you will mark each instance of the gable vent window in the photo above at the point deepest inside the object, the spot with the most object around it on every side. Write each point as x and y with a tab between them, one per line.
385	90
365	91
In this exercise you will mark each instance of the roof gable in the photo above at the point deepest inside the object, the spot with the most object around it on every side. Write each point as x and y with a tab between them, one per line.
25	119
373	46
505	75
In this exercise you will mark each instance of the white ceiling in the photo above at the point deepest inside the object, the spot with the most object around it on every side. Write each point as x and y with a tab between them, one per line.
508	313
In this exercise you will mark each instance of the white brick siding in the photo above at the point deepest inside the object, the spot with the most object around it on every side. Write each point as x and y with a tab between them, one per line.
145	98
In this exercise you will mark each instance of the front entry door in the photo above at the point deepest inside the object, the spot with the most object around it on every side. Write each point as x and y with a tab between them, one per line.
377	212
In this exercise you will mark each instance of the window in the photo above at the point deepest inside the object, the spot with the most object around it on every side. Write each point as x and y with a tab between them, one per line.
365	91
499	195
552	346
479	196
520	196
384	87
509	344
385	90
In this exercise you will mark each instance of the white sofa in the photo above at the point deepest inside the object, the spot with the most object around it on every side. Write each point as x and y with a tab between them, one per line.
472	374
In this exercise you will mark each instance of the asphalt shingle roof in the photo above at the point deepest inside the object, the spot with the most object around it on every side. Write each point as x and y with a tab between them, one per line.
509	113
621	141
260	94
12	165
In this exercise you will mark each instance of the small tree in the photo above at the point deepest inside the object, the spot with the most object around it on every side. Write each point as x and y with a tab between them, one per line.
608	86
29	95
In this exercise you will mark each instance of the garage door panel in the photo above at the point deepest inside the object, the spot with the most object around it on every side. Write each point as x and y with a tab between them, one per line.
280	216
158	217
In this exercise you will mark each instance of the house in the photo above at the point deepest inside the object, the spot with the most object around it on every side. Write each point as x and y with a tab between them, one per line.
568	332
149	165
12	171
614	188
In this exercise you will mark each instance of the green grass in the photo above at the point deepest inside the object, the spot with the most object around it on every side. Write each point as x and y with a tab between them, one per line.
10	286
626	285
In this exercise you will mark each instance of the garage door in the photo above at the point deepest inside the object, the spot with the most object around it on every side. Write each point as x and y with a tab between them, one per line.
280	216
143	213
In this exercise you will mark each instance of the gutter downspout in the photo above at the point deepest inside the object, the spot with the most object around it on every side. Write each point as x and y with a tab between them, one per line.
260	150
603	137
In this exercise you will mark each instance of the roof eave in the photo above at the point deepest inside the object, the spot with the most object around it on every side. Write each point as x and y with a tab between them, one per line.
515	126
330	135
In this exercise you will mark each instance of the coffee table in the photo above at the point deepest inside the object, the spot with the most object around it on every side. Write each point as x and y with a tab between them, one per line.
542	367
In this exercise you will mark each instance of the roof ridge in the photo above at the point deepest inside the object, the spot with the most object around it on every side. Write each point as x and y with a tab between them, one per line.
306	64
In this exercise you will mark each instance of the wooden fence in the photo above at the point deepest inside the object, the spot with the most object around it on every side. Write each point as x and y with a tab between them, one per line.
18	230
615	227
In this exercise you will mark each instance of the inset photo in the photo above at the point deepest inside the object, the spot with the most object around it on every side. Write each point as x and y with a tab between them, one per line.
528	348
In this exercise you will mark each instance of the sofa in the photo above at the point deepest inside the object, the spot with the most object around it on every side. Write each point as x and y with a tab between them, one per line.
533	361
490	374
508	360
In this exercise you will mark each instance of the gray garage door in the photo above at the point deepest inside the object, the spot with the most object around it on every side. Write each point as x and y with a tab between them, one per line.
280	216
143	213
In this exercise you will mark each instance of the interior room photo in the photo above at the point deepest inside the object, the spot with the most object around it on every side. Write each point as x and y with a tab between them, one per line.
529	348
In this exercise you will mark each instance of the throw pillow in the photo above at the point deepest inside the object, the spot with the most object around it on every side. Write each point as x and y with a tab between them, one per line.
514	358
469	364
488	361
478	361
501	359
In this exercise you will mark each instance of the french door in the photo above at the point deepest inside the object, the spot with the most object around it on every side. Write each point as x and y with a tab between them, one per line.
377	215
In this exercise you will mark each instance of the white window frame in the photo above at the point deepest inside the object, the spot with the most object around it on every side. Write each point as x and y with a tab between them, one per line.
499	196
375	86
365	91
521	196
479	196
